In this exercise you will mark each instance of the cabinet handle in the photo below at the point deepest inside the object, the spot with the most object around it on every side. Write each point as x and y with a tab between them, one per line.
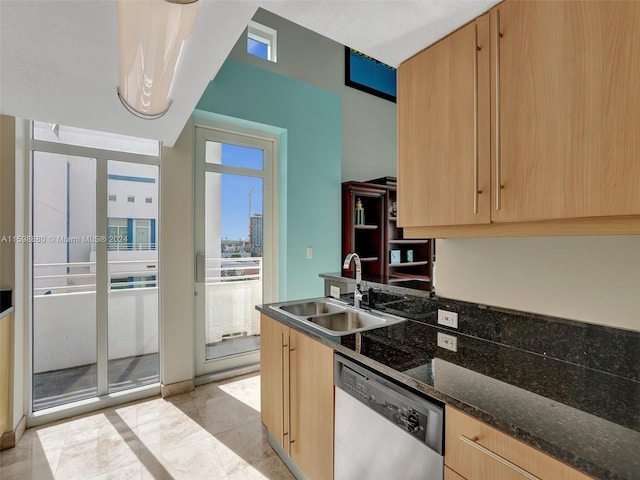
498	173
475	124
473	443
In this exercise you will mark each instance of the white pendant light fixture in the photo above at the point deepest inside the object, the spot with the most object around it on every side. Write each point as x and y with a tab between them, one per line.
151	34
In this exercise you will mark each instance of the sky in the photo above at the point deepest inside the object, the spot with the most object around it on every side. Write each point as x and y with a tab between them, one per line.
235	191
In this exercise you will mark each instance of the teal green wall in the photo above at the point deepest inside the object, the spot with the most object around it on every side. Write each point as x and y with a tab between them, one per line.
309	166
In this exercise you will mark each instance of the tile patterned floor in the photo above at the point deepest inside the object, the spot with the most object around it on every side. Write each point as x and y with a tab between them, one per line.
211	433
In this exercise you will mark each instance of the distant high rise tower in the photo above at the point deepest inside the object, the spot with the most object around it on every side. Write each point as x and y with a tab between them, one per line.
255	233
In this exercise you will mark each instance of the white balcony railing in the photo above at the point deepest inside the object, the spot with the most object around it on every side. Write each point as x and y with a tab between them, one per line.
127	247
74	277
64	314
232	269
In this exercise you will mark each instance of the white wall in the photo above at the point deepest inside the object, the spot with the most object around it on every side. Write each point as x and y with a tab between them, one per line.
231	306
122	208
177	260
65	327
368	122
50	207
591	279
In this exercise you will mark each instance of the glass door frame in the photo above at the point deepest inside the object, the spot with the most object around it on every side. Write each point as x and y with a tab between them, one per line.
222	133
103	398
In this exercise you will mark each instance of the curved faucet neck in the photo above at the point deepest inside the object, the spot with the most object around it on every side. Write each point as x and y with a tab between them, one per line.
346	265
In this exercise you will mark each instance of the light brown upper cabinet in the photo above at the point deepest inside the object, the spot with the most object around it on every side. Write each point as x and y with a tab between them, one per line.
443	131
566	109
534	133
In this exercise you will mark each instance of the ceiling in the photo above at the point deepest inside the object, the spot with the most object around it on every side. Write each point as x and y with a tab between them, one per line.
59	59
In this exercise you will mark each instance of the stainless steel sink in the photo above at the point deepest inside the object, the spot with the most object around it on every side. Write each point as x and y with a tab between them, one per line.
348	320
334	317
316	307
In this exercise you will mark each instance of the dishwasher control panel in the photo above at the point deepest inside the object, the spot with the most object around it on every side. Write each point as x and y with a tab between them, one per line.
390	404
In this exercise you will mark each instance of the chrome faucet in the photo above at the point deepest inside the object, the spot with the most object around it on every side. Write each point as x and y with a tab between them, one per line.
357	294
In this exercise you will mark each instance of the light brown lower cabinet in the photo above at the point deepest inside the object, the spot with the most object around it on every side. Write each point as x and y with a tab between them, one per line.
477	451
5	351
297	401
451	475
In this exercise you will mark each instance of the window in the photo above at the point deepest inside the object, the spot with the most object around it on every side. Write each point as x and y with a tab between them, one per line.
145	281
131	234
131	199
112	197
118	232
148	200
143	239
52	132
262	41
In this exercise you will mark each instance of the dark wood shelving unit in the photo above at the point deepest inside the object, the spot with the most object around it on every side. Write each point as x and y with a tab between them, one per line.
379	235
367	239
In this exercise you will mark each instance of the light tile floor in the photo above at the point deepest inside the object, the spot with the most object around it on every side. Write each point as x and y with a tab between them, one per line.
211	433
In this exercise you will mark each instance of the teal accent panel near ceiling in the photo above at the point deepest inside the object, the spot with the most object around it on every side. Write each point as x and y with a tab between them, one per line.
310	175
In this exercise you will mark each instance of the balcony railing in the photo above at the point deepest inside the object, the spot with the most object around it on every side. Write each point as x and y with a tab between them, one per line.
69	277
125	247
232	269
74	277
65	308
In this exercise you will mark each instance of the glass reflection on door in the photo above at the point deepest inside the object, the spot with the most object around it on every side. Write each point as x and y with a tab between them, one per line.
132	248
64	280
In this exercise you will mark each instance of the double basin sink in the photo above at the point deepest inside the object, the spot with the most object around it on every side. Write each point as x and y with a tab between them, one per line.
334	317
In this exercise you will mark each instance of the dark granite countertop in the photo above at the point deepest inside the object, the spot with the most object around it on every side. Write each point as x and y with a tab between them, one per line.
6	300
585	417
6	311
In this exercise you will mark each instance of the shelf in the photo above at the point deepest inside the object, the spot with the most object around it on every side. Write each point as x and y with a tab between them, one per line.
404	277
409	241
381	234
408	264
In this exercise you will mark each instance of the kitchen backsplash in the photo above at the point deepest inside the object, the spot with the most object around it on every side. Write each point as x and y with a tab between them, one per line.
606	349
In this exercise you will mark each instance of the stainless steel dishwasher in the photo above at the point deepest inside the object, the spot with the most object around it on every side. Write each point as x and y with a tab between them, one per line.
382	430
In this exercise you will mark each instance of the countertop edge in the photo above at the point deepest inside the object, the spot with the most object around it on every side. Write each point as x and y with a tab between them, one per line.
6	312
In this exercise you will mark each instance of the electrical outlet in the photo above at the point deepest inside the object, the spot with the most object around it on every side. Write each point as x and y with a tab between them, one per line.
448	319
309	252
335	291
448	341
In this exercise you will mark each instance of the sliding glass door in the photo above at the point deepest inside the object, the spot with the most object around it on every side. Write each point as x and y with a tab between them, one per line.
64	279
94	263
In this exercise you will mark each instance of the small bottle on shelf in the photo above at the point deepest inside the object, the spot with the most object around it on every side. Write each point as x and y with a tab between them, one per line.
359	213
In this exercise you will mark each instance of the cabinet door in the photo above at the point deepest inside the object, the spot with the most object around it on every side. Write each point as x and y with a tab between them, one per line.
5	352
443	131
312	407
567	109
274	379
451	475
